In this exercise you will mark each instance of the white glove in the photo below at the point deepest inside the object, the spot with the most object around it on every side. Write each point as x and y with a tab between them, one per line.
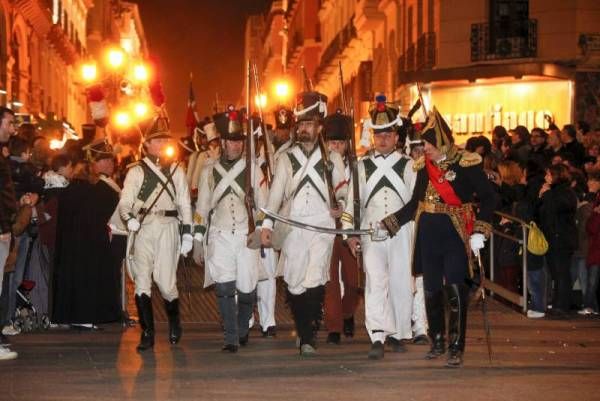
187	243
198	237
477	242
380	233
133	225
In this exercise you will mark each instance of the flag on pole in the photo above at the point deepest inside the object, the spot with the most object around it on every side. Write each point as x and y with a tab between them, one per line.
191	118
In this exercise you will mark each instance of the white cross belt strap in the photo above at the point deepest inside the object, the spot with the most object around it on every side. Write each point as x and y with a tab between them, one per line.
308	169
385	169
227	181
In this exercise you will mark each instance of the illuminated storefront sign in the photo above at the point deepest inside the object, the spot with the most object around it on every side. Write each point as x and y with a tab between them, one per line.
476	109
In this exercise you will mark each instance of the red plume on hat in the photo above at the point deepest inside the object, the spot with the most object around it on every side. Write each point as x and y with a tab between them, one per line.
98	106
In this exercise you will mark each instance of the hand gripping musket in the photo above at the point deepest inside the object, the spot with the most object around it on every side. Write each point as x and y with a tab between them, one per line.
265	140
353	163
486	323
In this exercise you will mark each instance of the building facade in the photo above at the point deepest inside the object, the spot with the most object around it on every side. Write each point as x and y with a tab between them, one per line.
481	63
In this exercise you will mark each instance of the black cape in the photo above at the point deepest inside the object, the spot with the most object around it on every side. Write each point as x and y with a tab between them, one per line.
86	285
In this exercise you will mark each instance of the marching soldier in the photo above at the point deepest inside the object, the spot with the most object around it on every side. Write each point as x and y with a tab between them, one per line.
267	289
339	311
222	222
154	201
386	182
449	230
301	191
210	151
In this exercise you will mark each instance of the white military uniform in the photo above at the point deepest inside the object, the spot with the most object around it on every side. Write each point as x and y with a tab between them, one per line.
266	291
300	191
386	184
155	252
221	211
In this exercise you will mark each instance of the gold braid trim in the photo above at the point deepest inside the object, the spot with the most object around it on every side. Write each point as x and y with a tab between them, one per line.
483	228
347	218
391	224
458	215
469	159
419	163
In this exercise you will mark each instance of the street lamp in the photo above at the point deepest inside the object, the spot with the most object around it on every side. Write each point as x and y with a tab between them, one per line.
140	109
122	119
115	58
89	72
260	100
141	73
282	90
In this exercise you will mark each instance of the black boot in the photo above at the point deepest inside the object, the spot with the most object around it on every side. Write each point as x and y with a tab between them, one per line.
314	298
349	327
245	305
175	330
434	305
458	299
228	309
144	307
302	320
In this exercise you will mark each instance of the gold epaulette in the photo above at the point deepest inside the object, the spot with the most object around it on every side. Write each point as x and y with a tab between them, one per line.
419	163
469	159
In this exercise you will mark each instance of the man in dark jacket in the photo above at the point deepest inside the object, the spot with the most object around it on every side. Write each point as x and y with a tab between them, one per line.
449	230
8	208
572	147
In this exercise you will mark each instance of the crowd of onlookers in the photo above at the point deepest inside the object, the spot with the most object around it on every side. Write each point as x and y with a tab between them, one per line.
551	178
34	180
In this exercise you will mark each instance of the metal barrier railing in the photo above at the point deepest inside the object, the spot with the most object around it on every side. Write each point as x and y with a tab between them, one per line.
497	289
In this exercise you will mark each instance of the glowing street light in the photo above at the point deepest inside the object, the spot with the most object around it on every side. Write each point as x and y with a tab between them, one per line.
122	119
170	151
140	109
89	72
115	58
260	100
282	90
141	73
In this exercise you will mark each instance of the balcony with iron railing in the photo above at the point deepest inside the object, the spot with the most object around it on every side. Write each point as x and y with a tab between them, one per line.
503	40
420	55
337	45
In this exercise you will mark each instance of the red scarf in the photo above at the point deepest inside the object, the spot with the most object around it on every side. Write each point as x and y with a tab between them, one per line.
446	191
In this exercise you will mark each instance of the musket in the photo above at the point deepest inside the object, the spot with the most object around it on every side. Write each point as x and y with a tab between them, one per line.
266	142
421	99
353	163
308	86
249	190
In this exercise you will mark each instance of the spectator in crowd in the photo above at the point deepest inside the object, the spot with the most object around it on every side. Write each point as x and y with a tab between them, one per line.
505	146
584	209
55	181
558	204
498	134
568	137
527	209
511	190
590	295
41	153
81	294
8	208
24	174
555	146
583	128
520	144
538	139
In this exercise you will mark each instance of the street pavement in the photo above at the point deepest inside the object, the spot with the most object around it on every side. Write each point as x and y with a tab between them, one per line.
532	360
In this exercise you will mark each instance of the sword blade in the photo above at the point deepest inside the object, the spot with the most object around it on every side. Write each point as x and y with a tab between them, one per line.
310	227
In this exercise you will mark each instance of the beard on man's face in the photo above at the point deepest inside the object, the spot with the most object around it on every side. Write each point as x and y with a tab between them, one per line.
304	136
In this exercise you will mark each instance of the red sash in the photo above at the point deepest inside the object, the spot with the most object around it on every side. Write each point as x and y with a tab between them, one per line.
446	192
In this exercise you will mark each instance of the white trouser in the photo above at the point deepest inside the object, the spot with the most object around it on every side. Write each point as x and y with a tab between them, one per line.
229	259
156	253
389	288
306	256
419	315
266	292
